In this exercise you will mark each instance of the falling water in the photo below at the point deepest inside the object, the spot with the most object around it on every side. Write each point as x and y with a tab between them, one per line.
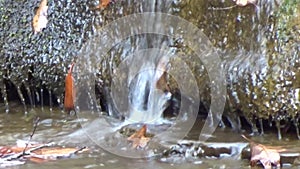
30	95
22	98
144	58
132	94
146	102
4	93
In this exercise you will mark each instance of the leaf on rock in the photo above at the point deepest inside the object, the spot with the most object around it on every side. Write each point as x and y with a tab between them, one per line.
40	18
266	155
139	139
69	91
102	4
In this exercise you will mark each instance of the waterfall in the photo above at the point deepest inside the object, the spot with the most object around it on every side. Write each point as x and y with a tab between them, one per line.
146	102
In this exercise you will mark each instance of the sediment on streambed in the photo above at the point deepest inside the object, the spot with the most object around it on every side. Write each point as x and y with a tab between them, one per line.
259	46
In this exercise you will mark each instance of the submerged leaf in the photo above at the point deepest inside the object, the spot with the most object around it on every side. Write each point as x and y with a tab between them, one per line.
40	18
139	139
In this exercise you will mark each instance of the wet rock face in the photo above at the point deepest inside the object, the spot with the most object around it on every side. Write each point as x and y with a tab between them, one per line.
267	81
39	61
34	64
259	45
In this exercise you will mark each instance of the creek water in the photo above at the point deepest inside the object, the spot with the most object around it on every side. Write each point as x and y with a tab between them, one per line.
57	126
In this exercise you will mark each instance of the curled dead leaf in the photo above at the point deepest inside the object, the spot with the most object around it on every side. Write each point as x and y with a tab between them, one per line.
69	90
40	18
265	155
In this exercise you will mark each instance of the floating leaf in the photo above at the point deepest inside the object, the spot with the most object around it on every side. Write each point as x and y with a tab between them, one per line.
58	151
40	18
39	153
53	153
139	139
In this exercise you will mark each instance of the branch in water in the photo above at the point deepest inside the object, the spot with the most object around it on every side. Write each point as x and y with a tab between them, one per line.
35	124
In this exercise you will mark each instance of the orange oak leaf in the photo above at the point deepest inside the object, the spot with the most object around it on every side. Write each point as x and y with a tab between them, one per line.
40	18
102	4
69	91
139	139
266	155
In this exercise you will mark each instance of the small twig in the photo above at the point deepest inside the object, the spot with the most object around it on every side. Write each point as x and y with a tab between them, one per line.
80	149
35	124
249	140
220	9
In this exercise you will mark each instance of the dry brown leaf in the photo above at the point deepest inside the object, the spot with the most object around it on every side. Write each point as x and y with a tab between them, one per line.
40	18
6	150
69	91
102	4
53	153
38	153
139	139
266	155
38	160
57	151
